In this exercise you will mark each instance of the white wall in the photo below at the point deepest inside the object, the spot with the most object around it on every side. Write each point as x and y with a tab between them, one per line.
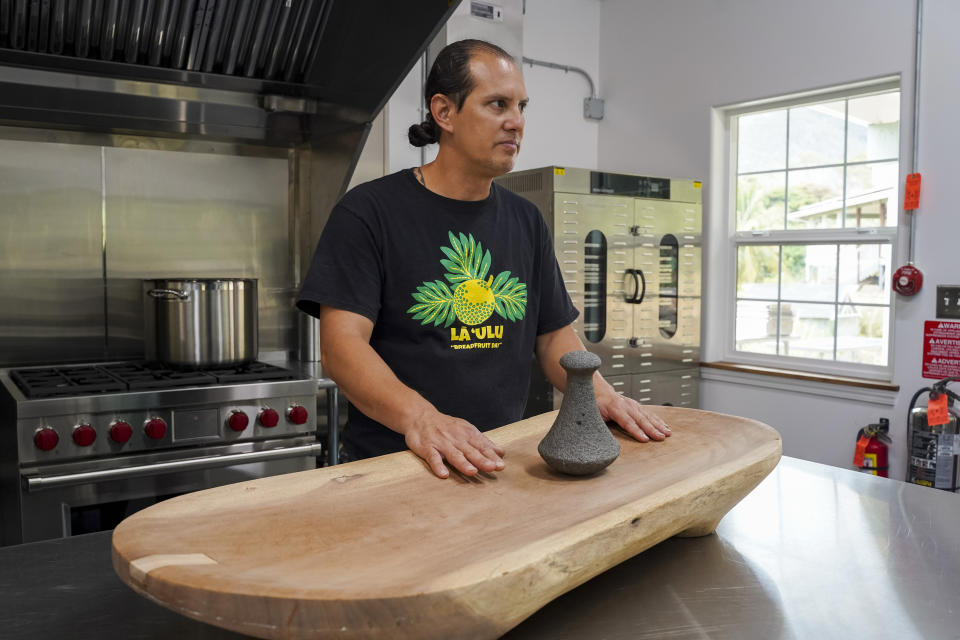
938	221
372	162
405	109
566	32
666	65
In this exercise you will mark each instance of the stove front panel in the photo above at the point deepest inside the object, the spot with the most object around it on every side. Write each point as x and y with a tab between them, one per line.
184	426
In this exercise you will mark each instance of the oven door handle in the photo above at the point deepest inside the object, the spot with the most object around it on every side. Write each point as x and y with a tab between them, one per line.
37	483
639	286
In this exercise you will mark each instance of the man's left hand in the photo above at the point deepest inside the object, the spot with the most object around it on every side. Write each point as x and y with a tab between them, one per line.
631	416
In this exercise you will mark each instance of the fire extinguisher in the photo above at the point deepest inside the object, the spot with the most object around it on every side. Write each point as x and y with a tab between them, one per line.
870	456
933	441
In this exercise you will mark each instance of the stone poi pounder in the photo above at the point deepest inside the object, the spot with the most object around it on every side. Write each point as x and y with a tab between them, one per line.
579	442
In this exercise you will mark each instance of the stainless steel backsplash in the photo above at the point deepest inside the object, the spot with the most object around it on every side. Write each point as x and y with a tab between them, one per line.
82	224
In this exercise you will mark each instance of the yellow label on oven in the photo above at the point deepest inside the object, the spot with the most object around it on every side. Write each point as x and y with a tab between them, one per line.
559	171
697	184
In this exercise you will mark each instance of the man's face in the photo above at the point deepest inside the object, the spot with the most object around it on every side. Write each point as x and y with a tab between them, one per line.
488	129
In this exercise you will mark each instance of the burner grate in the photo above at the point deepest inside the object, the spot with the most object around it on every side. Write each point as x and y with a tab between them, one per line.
140	376
252	372
53	382
65	381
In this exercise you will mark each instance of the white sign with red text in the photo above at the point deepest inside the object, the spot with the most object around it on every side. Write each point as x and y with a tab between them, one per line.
941	349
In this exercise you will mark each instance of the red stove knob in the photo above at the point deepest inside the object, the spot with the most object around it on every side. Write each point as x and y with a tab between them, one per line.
297	414
269	418
84	435
155	428
121	431
45	438
238	420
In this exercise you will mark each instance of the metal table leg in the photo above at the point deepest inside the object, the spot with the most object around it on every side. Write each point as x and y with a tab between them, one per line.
333	423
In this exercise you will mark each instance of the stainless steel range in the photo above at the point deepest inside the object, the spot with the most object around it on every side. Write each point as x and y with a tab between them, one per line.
82	446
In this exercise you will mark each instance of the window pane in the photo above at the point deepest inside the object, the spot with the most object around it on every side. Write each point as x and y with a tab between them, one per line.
862	334
756	326
809	272
814	199
865	273
816	134
594	286
668	285
757	271
806	330
830	167
873	128
873	194
762	142
760	201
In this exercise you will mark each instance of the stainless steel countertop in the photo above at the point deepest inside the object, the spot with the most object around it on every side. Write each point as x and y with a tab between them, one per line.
813	552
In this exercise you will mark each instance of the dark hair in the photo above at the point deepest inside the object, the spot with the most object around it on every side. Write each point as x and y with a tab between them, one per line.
450	76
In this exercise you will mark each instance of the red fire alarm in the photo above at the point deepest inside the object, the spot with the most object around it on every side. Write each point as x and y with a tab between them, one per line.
907	280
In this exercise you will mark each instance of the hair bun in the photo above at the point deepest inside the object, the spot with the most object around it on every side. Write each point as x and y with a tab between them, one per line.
422	134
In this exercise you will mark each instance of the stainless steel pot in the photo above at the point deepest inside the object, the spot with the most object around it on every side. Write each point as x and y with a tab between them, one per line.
200	322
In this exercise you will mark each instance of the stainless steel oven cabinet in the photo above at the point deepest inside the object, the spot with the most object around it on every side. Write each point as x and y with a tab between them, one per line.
629	248
596	255
622	384
675	229
59	500
78	453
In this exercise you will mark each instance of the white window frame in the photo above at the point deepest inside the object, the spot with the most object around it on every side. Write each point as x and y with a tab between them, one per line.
724	174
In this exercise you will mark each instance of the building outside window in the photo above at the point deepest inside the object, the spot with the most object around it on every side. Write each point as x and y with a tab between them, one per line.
814	206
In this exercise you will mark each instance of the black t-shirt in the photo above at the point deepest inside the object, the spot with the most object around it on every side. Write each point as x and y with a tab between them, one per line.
458	292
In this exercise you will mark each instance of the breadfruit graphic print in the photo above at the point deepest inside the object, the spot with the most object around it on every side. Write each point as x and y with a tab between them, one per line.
475	296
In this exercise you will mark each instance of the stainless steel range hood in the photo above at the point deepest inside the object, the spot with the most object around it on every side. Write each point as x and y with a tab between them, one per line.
274	72
249	38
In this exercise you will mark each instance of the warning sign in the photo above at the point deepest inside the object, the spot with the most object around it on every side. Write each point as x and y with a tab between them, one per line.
941	349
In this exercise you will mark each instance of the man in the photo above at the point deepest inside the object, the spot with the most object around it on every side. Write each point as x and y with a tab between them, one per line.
434	286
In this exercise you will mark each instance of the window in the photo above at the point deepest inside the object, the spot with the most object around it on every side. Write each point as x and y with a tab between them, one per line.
595	286
814	204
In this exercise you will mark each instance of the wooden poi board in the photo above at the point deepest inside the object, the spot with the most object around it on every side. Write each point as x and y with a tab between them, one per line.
381	548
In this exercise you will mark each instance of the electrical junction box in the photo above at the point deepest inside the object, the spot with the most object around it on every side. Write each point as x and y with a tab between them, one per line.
593	108
948	301
487	11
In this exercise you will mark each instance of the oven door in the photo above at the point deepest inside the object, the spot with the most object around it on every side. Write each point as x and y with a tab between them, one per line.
82	497
595	246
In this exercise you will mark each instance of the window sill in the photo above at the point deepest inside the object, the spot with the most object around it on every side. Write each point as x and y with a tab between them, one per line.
797	382
801	375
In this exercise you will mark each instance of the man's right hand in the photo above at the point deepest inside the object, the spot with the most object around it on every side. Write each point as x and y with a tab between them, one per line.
436	437
370	385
